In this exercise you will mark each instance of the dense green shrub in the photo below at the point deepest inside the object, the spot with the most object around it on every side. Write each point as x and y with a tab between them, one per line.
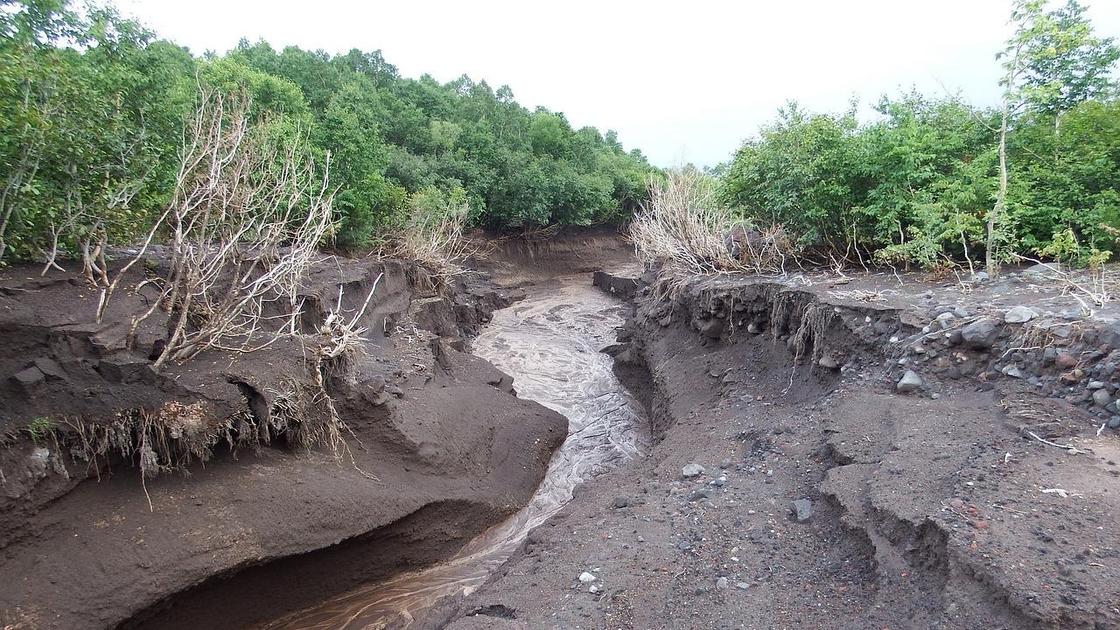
934	179
92	108
916	184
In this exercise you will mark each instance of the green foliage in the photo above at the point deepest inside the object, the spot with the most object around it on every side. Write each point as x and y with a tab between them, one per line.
915	186
918	184
88	136
92	109
1064	63
39	429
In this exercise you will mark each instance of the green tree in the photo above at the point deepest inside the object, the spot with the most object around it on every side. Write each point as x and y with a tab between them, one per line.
1051	62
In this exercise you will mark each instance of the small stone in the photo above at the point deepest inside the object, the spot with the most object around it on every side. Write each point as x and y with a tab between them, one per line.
1101	397
692	470
980	334
1043	270
594	588
1019	315
802	509
620	502
910	382
1073	376
980	276
1114	422
587	578
1049	355
29	379
753	328
742	586
1013	371
698	495
712	328
828	363
721	583
38	462
945	321
1096	385
725	463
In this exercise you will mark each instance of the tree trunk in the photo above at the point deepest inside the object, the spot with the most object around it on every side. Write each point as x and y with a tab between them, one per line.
990	259
991	263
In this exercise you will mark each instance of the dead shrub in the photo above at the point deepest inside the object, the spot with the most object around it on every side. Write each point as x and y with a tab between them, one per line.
684	225
432	232
248	212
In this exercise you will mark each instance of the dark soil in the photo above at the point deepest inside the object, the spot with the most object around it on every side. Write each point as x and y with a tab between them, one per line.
934	508
836	490
255	524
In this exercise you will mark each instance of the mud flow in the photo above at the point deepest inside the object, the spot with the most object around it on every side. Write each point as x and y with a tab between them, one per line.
550	343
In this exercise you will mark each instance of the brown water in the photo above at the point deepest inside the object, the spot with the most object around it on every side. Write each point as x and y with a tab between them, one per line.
550	343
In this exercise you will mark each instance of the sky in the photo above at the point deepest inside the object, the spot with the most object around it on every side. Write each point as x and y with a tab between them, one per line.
683	81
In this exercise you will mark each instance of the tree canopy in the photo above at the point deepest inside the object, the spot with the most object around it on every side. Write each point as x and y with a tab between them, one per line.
92	108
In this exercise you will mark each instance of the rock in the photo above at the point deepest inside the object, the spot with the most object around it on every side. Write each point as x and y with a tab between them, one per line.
1073	376
50	368
712	328
1114	422
1019	315
980	276
1065	361
910	382
961	311
721	583
587	578
828	362
38	462
1101	397
29	379
1013	371
980	334
753	328
1049	356
692	470
742	585
698	495
620	502
1096	385
665	321
802	509
594	588
1043	270
945	320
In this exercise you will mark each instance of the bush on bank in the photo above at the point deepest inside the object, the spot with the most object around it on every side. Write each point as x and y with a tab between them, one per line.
92	108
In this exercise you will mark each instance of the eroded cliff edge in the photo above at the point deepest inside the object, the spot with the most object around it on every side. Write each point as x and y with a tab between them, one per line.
252	511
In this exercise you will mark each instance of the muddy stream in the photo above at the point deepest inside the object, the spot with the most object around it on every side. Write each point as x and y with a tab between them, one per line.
550	343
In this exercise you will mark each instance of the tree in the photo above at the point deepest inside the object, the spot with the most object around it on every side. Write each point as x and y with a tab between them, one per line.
1051	62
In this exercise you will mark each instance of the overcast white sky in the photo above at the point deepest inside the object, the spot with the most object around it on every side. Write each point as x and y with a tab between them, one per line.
682	81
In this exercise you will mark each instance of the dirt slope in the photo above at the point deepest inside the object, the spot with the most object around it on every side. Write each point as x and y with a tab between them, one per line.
254	523
827	497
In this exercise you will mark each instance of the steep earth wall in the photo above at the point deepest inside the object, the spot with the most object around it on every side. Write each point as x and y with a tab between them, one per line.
253	509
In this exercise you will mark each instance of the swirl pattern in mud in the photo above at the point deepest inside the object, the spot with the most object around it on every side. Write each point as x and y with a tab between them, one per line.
550	343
